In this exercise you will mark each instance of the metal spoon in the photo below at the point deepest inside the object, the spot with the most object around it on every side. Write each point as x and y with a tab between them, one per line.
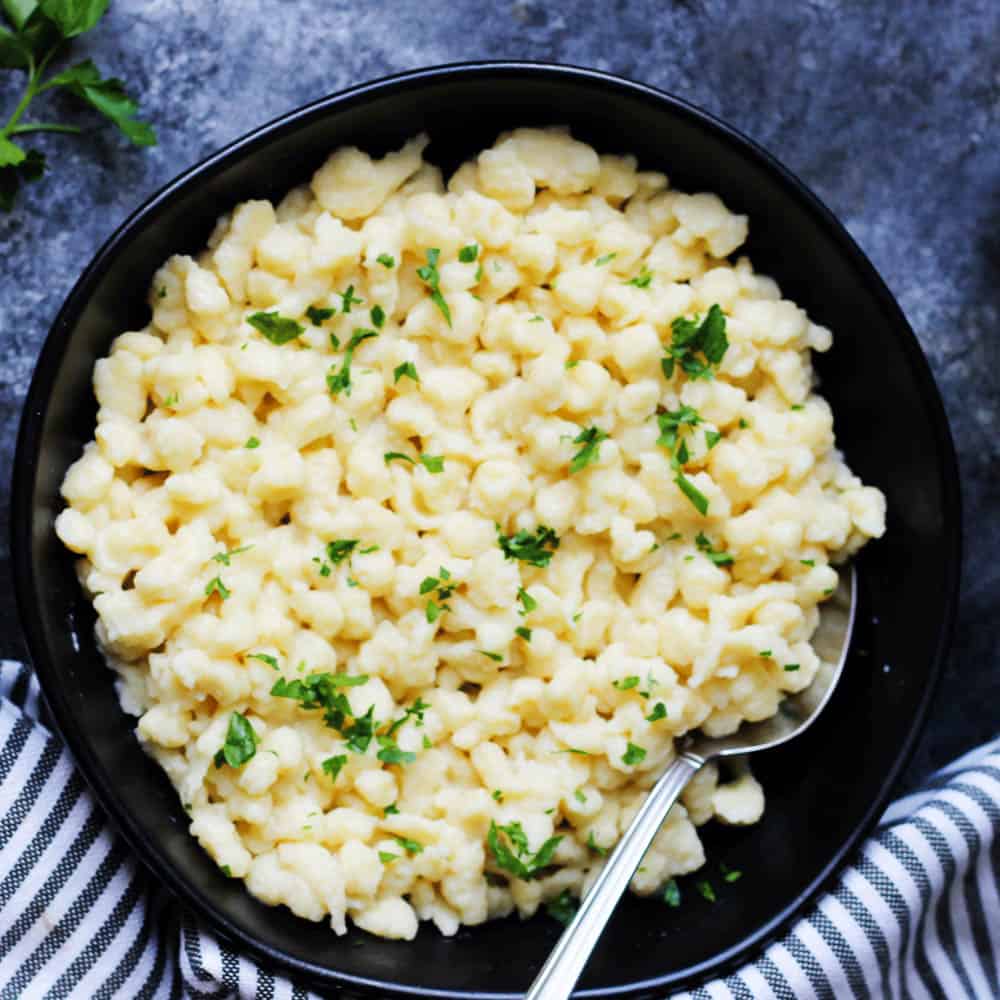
797	713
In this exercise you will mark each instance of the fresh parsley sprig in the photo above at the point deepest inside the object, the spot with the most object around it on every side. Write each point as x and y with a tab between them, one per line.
692	337
589	439
671	424
37	34
430	276
533	547
509	846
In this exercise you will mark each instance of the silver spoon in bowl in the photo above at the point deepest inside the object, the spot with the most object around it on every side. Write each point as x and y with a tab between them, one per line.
832	640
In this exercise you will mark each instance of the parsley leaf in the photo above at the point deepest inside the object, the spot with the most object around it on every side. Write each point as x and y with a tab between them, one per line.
252	443
659	712
318	315
391	810
626	683
410	846
406	370
528	602
712	438
378	317
590	439
359	734
241	742
511	851
386	856
429	275
524	633
225	557
271	661
432	463
672	894
606	259
690	338
642	280
534	548
671	423
718	556
333	765
392	456
495	657
594	846
706	890
338	381
468	253
337	551
216	586
386	260
633	754
348	299
791	666
563	908
321	691
278	329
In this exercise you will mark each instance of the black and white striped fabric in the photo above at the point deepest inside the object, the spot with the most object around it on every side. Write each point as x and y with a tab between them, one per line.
916	916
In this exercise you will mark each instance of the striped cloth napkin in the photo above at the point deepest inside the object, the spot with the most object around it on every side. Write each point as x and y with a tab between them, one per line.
917	915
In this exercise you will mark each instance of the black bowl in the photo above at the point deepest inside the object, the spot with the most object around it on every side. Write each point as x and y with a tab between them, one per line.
824	791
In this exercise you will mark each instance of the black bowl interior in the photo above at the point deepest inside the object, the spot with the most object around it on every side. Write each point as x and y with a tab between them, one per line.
823	791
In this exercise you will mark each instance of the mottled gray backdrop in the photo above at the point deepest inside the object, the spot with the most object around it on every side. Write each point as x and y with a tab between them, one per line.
888	110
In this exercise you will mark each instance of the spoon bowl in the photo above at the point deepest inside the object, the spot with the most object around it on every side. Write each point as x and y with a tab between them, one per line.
796	714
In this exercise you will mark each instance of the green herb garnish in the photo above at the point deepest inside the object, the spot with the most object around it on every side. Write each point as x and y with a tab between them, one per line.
252	443
527	601
432	463
523	632
468	253
633	754
705	888
690	338
429	275
718	556
606	259
534	548
386	260
594	846
642	280
225	557
338	381
348	299
589	439
378	317
563	908
216	586
406	370
278	329
672	893
659	712
38	34
410	846
241	743
509	846
386	856
333	765
271	661
318	315
791	667
495	657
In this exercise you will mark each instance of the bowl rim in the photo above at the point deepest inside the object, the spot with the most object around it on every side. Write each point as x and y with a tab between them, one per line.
26	464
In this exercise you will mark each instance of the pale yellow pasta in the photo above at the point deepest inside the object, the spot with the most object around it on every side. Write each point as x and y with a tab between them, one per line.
226	467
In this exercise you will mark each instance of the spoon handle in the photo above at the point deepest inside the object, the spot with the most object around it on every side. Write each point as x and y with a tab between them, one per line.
562	969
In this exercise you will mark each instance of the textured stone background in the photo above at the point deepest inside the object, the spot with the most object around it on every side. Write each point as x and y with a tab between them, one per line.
888	110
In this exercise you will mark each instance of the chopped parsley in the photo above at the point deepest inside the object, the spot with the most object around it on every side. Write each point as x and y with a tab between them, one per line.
406	370
252	442
571	364
348	299
340	549
791	667
534	548
333	765
642	280
386	260
523	632
659	712
765	652
706	890
271	661
241	743
226	870
216	586
386	856
672	893
429	275
434	464
712	438
225	557
579	795
495	657
718	556
527	601
318	315
371	548
576	750
439	583
589	439
322	691
606	259
798	406
808	562
278	329
468	254
509	846
744	423
671	423
730	874
595	846
690	338
633	754
410	846
393	456
390	752
497	795
172	400
378	317
391	810
626	683
563	908
340	381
